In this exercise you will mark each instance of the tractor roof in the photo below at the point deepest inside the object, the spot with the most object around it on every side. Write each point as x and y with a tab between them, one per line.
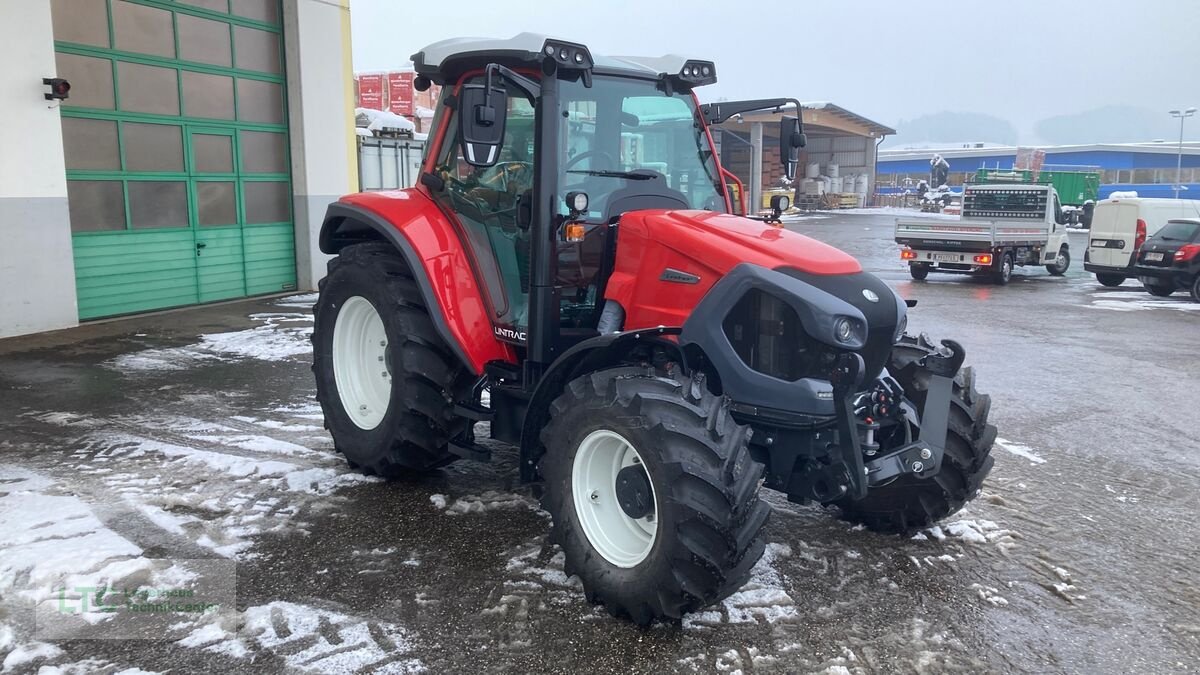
447	60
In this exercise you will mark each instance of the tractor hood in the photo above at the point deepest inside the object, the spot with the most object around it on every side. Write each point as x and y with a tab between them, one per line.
720	241
667	261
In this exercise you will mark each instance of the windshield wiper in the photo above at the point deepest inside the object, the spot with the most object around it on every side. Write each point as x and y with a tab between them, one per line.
631	175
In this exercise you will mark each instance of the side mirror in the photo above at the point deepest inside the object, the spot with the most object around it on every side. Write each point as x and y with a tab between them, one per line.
481	118
791	139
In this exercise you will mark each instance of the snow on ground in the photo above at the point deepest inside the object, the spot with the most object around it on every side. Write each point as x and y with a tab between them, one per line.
489	500
48	540
764	598
1020	451
1120	300
281	335
320	640
251	471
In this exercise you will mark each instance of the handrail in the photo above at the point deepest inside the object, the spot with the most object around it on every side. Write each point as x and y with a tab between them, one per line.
726	173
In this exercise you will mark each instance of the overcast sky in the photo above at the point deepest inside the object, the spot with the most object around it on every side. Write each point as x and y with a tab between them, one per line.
1022	60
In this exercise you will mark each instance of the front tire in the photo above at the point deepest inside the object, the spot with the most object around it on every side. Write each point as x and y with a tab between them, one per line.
1110	280
385	379
1160	291
699	484
1061	264
910	503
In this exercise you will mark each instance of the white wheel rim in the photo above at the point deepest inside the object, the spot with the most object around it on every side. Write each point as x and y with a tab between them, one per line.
621	540
360	365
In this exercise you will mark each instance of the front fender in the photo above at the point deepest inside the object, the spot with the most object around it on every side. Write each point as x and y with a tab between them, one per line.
440	264
593	354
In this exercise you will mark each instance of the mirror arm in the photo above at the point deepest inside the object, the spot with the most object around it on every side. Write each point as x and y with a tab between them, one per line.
716	113
532	89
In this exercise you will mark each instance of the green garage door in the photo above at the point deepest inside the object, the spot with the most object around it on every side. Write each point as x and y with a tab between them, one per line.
176	149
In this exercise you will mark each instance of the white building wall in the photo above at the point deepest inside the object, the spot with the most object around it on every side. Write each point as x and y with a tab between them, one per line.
37	269
320	81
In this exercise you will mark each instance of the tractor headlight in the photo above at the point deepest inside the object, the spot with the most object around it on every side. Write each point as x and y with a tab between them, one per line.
843	329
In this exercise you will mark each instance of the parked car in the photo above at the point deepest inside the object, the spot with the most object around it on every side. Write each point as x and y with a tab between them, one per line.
1120	226
1170	260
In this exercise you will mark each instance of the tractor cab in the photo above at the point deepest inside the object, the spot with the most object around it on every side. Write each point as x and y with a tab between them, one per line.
540	147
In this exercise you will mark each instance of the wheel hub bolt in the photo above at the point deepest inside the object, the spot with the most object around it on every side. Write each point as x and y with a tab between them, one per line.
362	409
383	343
594	495
918	467
925	453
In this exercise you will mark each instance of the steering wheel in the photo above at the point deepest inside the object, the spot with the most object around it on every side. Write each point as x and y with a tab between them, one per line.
499	176
612	163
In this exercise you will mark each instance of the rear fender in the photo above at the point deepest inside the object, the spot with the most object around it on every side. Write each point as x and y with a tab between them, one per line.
437	258
597	353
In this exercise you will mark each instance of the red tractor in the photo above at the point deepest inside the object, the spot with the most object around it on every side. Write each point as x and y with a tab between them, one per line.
569	269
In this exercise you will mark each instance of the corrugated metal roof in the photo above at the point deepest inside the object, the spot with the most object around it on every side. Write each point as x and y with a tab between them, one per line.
1189	148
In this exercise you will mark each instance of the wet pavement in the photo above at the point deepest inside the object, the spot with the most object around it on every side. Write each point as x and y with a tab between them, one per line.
194	435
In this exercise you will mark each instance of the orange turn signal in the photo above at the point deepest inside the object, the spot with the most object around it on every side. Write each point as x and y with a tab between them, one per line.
984	259
573	232
907	254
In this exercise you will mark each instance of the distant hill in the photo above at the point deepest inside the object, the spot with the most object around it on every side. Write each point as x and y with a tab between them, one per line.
952	128
1111	124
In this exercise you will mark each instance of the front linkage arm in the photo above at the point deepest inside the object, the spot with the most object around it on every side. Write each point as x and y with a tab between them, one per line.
923	457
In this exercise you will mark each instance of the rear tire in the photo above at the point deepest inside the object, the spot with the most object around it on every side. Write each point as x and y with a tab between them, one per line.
404	426
909	503
1196	289
1160	291
1110	280
1003	273
704	490
1061	264
918	271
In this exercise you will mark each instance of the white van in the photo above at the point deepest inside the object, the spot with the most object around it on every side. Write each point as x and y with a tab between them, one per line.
1120	226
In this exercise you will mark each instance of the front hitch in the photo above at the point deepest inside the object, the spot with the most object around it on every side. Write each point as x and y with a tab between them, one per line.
923	457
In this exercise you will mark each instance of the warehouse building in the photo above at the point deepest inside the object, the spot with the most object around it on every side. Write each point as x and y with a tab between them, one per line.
1146	168
190	162
836	136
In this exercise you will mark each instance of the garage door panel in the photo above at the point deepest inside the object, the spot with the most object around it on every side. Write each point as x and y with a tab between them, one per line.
220	268
160	208
270	258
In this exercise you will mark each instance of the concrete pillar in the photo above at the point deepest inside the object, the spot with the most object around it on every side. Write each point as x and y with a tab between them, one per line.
320	82
756	167
872	163
37	266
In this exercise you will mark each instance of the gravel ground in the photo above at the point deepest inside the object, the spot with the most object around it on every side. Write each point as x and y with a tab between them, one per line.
186	448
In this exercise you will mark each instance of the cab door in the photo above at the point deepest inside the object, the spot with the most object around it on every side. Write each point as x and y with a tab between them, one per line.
492	207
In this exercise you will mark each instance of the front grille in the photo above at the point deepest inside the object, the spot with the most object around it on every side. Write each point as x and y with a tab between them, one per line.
767	335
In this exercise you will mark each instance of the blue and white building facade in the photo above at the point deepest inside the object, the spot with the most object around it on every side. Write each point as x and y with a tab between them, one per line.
1146	168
